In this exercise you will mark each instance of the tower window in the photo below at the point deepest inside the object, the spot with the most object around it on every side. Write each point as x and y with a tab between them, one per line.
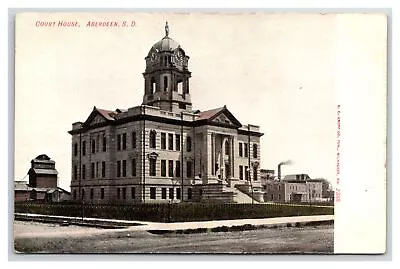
165	83
153	86
180	87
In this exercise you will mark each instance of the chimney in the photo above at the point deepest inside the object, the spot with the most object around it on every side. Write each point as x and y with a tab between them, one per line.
279	171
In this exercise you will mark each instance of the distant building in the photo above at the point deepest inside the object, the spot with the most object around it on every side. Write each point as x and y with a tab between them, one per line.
296	188
42	182
267	174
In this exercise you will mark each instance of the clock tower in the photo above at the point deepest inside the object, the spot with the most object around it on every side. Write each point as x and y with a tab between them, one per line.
167	76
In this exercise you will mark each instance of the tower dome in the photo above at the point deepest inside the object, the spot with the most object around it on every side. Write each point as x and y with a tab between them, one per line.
167	76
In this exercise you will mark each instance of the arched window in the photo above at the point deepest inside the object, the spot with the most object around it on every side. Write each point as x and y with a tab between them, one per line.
188	144
152	139
227	148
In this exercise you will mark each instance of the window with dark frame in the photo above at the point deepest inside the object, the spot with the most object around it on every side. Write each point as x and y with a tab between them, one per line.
124	141
171	193
102	193
177	168
74	194
83	171
118	168
163	168
189	169
93	146
152	193
163	141
240	149
170	142
255	151
119	142
241	172
103	169
177	142
246	150
255	176
188	144
92	171
163	193
118	193
190	194
178	193
91	194
124	168
124	193
246	173
152	139
152	170
170	168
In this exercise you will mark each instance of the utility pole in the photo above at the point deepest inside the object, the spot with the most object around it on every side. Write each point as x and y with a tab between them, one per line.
248	154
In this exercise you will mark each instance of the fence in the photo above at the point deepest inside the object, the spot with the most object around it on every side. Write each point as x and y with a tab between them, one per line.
170	212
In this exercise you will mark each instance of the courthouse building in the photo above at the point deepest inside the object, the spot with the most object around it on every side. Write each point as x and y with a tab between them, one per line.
163	150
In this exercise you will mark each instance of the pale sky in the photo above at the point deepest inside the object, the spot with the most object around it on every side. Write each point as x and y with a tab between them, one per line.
272	70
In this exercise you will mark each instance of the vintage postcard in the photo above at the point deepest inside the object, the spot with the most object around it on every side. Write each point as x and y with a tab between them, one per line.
216	133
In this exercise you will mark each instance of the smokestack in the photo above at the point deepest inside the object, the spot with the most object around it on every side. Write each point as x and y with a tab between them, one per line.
288	162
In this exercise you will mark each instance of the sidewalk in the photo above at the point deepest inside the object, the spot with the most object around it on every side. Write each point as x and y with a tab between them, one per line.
151	226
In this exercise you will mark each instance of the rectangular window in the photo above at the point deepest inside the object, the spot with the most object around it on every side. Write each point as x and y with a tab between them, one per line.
74	194
119	142
246	150
133	140
163	193
163	141
118	168
124	193
178	193
170	141
133	192
102	193
177	142
83	148
92	171
170	168
124	168
124	141
163	168
152	193
91	194
240	149
83	194
246	173
241	172
75	172
83	171
118	193
152	171
104	143
97	169
190	194
255	151
165	83
178	169
103	169
188	144
171	193
189	169
93	146
75	149
255	176
133	164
